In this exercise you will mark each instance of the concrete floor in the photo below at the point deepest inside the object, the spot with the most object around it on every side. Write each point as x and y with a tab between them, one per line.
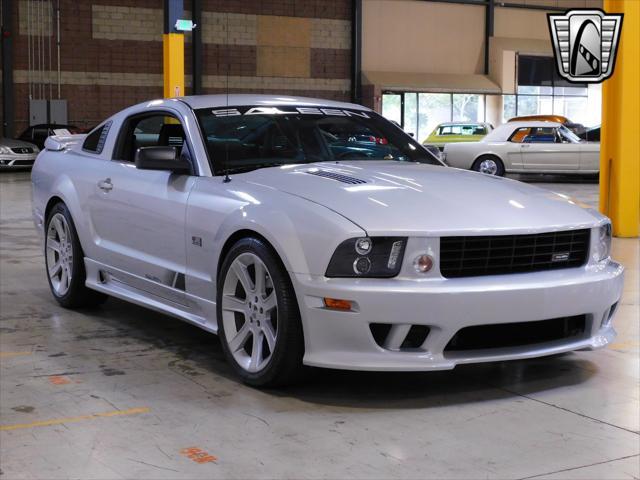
122	392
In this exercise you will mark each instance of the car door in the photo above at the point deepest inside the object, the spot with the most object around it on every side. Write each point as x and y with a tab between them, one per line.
590	157
139	215
543	149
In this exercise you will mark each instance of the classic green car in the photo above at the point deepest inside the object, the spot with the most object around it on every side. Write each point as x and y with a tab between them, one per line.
453	132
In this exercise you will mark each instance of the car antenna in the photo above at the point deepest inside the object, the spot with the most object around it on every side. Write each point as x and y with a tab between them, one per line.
225	168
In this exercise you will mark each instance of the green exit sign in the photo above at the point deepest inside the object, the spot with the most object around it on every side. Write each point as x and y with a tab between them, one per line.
184	25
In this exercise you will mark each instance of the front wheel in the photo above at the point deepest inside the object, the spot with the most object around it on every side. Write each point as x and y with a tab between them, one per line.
258	318
64	261
490	165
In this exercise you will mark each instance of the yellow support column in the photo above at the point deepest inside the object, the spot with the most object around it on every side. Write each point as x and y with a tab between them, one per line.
173	64
620	140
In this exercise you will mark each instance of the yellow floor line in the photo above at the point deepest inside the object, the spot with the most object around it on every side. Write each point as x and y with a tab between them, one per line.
13	354
60	421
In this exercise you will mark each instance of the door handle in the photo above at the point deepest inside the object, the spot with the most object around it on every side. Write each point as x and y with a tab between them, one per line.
525	145
105	184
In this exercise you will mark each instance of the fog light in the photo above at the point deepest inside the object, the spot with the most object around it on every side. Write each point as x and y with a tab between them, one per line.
363	246
361	265
423	263
337	303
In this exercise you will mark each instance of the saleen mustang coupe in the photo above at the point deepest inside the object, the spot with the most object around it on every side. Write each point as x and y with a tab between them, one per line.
311	232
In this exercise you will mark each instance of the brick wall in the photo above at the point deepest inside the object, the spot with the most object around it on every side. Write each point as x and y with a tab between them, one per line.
111	51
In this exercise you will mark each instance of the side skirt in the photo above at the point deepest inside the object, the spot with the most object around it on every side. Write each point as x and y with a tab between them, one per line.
196	310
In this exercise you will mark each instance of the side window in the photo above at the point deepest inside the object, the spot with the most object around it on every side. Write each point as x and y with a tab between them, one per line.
520	134
542	135
154	130
94	142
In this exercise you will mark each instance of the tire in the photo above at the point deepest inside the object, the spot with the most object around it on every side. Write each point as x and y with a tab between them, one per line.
62	248
261	333
490	165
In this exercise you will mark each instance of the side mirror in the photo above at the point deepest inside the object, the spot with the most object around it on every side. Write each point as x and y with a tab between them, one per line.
161	158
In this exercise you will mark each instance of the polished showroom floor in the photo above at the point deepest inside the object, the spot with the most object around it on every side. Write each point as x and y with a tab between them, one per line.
122	392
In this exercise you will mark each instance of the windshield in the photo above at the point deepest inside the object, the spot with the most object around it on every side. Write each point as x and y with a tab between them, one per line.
568	135
246	138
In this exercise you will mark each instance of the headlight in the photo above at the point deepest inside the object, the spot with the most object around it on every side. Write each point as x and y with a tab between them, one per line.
377	257
5	149
603	243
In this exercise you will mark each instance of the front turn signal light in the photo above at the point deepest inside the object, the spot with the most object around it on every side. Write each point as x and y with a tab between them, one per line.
338	304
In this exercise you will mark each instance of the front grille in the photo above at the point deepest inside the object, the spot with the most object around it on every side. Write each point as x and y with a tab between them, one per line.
337	176
23	163
504	254
22	150
505	335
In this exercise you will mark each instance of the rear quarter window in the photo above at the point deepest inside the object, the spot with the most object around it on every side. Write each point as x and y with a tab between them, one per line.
94	143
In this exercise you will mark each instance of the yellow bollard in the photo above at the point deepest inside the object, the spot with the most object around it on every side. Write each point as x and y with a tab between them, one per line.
620	139
173	64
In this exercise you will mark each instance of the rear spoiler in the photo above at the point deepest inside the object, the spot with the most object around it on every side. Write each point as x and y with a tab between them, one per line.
56	143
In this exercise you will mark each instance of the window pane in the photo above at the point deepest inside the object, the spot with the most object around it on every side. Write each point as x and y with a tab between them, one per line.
574	108
573	91
465	108
531	90
534	105
391	107
411	113
435	108
508	107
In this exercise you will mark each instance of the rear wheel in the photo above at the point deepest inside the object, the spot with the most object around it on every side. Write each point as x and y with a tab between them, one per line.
258	318
489	164
64	261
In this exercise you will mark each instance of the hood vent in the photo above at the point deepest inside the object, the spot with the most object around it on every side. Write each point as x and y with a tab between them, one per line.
337	176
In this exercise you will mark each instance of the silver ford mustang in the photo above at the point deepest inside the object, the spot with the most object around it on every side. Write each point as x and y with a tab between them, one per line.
311	232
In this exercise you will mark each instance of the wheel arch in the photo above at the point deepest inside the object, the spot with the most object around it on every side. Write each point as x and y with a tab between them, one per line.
239	235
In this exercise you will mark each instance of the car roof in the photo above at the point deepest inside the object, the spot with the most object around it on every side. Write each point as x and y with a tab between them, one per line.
532	123
222	100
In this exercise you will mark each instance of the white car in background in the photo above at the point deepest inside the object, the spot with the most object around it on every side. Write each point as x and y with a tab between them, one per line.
16	154
312	232
526	147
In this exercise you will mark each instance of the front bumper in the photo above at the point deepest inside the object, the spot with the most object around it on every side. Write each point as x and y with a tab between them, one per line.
17	160
339	339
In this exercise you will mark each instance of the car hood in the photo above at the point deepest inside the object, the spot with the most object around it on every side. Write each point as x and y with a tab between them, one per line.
407	198
11	143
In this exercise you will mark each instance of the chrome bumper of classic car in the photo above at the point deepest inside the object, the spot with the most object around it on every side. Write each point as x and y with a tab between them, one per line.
17	160
410	325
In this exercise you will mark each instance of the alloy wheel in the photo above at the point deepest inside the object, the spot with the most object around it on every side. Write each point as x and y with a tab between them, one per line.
59	254
250	312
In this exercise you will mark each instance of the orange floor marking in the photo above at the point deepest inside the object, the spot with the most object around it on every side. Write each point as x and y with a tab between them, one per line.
60	421
58	380
198	455
13	354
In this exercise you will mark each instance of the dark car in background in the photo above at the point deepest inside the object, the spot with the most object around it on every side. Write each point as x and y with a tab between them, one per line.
591	135
37	134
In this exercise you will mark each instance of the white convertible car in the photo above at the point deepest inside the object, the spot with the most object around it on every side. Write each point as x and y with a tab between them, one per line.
311	232
526	147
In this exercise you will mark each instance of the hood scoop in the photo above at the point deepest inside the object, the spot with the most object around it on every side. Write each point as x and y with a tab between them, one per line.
337	177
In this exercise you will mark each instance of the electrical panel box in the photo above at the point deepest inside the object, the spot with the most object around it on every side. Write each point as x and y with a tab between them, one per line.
47	111
37	112
58	112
